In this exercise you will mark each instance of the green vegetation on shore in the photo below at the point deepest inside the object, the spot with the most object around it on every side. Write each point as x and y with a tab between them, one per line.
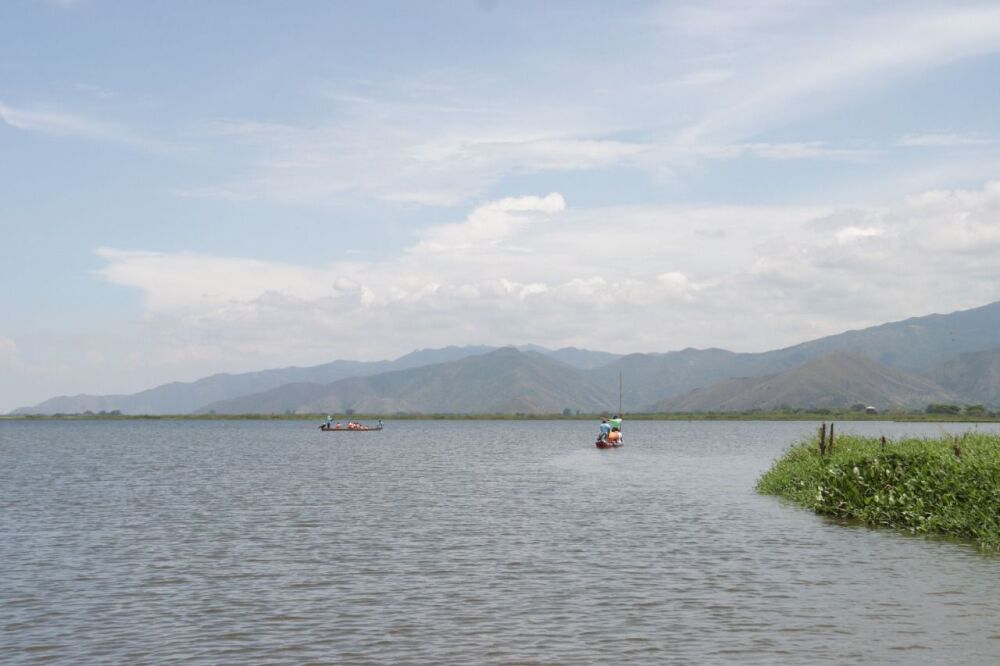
947	486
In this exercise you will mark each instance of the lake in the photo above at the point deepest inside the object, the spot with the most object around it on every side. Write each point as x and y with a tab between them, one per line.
466	542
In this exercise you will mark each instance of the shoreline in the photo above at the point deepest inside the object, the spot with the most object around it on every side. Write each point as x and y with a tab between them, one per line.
679	416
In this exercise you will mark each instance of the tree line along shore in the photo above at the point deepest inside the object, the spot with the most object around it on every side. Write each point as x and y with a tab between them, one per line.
932	413
947	486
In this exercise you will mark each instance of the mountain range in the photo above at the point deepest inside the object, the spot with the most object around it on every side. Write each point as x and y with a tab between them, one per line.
907	364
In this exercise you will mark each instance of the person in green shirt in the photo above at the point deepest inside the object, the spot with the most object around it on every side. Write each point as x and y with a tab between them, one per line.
616	421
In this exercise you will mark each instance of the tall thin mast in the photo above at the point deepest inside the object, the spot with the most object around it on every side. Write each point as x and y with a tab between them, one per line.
619	393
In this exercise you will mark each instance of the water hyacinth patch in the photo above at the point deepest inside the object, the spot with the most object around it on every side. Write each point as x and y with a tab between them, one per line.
948	485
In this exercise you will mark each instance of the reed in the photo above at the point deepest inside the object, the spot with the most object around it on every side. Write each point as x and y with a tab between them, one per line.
947	486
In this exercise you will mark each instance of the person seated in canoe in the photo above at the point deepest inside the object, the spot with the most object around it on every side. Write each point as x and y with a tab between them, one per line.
337	427
616	424
605	430
615	437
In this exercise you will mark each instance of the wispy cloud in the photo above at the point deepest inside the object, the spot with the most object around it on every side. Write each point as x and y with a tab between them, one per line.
445	138
799	150
55	123
942	139
390	160
849	51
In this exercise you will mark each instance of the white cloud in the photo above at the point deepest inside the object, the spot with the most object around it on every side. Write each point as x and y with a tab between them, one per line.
488	226
669	277
853	233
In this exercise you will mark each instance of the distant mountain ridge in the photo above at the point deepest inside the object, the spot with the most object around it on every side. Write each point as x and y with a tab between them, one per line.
958	353
190	397
503	381
186	397
835	380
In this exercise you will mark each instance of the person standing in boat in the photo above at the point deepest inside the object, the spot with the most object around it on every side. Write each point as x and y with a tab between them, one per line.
329	421
605	430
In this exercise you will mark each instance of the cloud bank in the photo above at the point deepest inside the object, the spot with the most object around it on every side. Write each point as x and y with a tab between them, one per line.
533	270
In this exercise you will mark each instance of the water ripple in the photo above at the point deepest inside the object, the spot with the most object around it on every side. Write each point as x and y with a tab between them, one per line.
440	542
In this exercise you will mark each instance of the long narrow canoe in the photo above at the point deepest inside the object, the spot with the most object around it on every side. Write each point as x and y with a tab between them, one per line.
363	429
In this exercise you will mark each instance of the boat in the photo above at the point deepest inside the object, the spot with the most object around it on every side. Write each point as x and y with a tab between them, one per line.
614	439
356	428
602	443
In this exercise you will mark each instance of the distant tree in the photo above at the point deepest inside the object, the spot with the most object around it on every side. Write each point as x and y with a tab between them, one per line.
975	410
938	408
858	407
349	412
567	411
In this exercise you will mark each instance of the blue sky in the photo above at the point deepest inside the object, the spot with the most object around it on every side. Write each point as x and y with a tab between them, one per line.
194	187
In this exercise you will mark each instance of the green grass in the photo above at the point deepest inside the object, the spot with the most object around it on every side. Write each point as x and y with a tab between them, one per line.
946	486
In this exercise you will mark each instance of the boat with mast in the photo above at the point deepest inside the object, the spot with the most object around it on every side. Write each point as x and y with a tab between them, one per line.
613	439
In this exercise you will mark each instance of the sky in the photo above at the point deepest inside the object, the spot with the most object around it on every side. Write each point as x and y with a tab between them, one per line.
195	187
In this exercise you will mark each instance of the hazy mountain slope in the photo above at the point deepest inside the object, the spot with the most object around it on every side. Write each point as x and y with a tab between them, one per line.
279	400
914	345
836	380
584	359
917	345
186	397
974	376
502	381
74	404
647	378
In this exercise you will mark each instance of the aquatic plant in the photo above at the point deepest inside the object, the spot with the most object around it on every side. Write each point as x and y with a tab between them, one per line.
948	485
